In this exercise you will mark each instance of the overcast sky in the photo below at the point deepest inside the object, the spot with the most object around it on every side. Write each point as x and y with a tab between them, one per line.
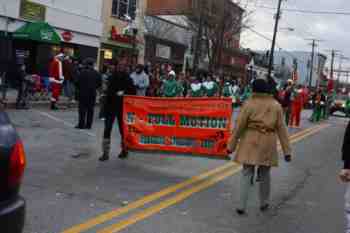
333	29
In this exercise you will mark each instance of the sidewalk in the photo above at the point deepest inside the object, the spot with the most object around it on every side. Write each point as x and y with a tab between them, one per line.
11	97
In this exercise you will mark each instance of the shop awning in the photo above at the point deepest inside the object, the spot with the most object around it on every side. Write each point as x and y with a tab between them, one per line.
38	31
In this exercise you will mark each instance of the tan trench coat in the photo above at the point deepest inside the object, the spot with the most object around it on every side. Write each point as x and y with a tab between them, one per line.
259	124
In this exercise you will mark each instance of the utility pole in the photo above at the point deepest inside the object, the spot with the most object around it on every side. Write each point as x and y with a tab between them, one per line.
332	64
199	37
272	51
313	44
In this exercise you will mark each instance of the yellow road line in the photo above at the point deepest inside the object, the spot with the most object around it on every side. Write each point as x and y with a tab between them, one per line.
147	199
117	227
155	196
169	202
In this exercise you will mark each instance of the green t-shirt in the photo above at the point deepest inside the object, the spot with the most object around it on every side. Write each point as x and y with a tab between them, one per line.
171	88
227	90
211	88
197	90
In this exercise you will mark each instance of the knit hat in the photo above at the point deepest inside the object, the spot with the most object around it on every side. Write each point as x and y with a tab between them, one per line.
260	86
172	73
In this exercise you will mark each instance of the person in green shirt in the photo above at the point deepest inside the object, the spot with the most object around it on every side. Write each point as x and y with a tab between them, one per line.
196	88
246	93
171	87
227	90
211	88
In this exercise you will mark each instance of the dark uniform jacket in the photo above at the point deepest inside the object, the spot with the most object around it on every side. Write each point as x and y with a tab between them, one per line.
119	84
346	148
89	80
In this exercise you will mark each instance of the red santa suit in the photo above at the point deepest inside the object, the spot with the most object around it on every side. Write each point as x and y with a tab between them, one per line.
297	107
56	78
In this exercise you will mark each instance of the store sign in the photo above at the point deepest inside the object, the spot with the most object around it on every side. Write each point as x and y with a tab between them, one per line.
32	11
163	51
46	35
115	36
67	36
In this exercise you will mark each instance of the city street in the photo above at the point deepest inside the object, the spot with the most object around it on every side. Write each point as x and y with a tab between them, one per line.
68	191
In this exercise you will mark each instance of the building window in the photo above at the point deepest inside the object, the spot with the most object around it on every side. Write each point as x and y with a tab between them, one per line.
122	8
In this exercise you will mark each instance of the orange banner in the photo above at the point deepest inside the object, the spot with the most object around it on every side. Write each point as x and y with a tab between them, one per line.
197	126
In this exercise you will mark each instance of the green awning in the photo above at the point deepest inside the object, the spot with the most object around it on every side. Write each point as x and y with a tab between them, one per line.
38	31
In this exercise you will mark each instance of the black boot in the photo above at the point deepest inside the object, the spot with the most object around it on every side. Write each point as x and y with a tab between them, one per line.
240	212
106	148
123	154
264	208
53	106
103	158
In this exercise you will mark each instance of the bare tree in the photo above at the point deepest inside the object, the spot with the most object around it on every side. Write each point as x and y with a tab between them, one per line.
222	22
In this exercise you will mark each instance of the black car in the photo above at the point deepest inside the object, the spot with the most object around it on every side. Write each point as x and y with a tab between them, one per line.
12	164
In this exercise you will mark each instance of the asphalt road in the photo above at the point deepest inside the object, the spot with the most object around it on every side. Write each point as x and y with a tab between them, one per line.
65	186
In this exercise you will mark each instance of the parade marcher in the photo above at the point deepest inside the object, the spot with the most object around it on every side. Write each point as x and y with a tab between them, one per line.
211	87
120	84
171	87
323	105
196	88
259	124
316	99
286	101
89	80
56	79
227	90
297	107
141	80
345	174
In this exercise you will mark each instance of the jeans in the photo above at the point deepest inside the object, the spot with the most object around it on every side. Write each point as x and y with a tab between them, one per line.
68	88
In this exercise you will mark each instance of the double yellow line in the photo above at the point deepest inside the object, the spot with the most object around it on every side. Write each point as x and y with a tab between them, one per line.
198	183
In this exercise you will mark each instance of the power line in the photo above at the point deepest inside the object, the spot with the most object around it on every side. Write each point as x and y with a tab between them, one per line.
309	11
270	40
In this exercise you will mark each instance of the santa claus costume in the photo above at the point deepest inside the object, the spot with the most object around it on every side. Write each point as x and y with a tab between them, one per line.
56	79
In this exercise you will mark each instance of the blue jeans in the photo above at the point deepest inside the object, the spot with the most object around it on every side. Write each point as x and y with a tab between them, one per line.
68	88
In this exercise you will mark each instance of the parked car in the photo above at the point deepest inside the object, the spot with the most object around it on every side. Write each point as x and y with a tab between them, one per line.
341	104
12	165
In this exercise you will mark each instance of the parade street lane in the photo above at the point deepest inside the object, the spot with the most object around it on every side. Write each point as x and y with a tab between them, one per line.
65	185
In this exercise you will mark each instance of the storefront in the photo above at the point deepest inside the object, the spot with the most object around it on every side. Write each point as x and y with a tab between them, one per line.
118	44
34	44
160	51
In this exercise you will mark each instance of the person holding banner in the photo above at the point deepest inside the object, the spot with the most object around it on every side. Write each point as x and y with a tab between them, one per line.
120	84
259	124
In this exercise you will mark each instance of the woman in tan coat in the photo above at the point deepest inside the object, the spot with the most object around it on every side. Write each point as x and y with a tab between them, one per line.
259	124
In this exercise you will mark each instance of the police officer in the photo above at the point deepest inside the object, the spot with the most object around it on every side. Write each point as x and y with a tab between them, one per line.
120	84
